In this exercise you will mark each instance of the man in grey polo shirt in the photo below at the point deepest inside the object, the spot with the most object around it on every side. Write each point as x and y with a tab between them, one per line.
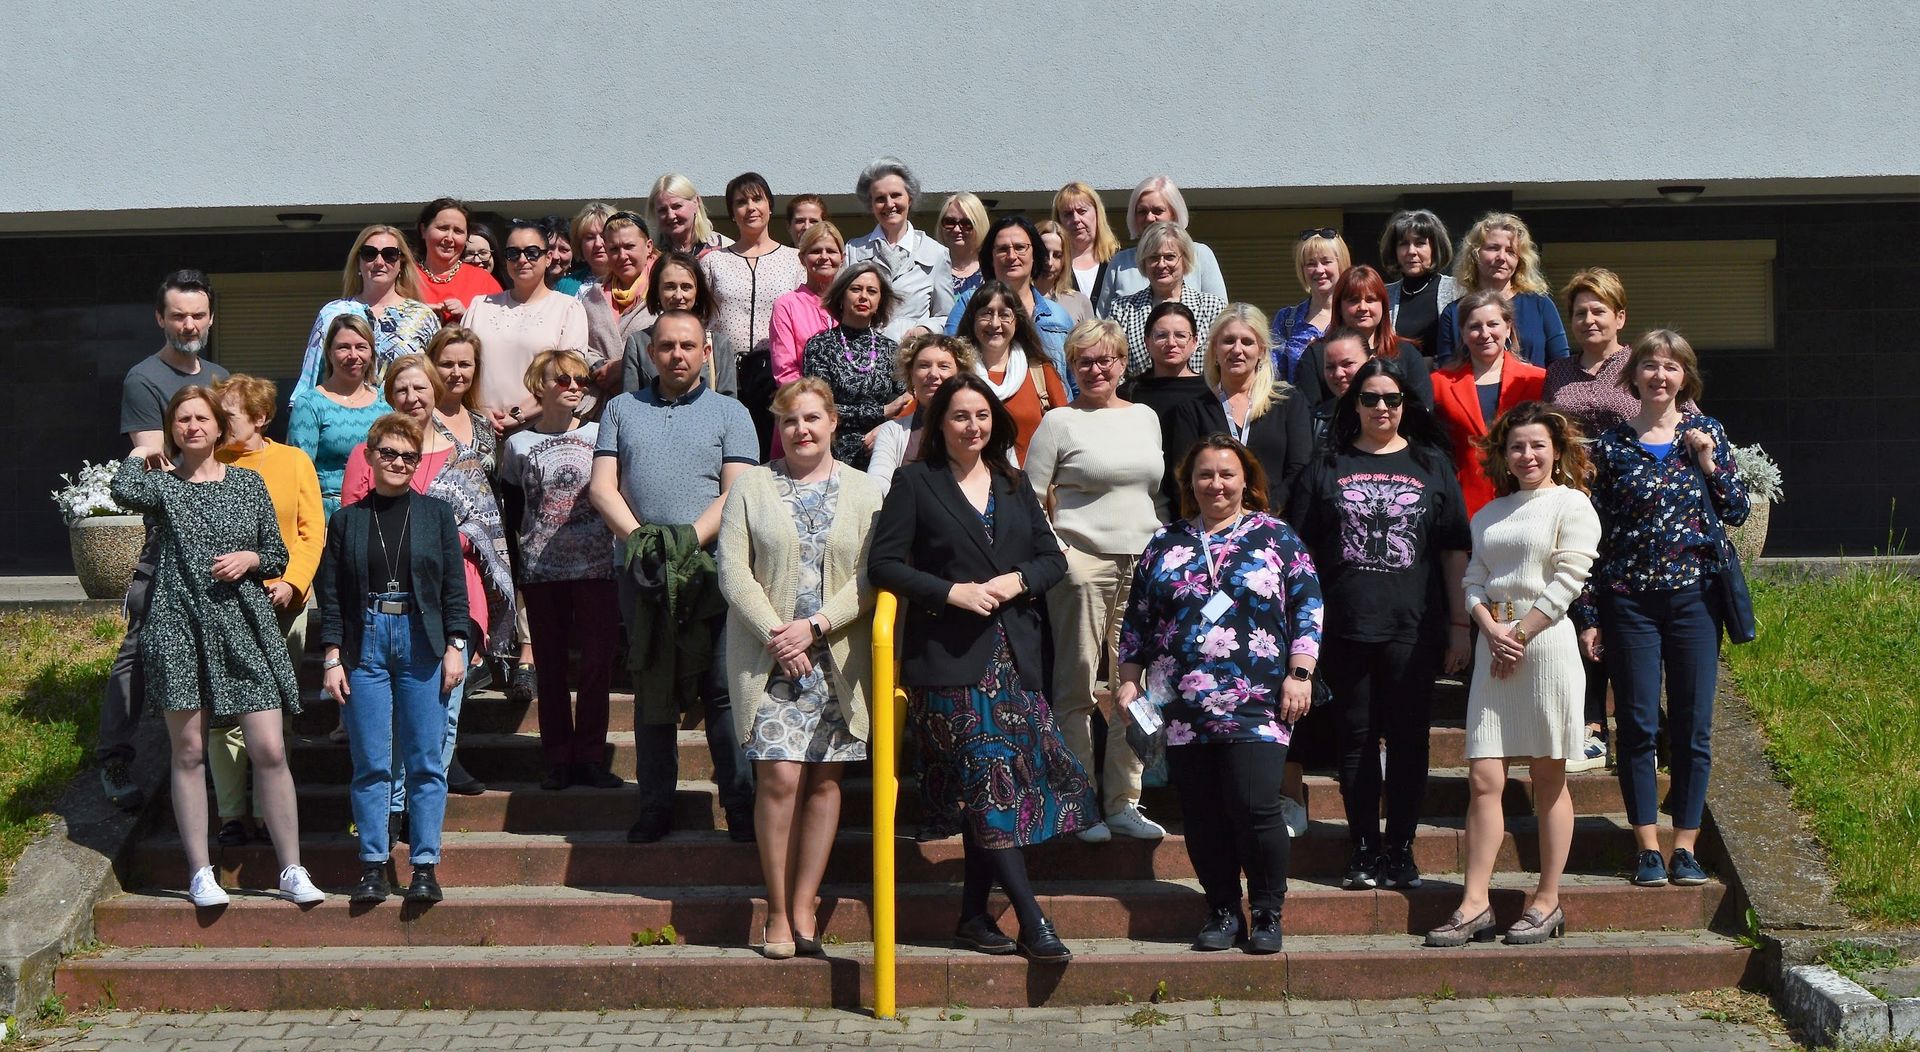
184	310
667	454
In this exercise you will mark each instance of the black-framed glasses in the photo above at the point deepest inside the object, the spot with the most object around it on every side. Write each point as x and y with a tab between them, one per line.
368	254
391	455
526	252
1102	363
1325	232
1373	399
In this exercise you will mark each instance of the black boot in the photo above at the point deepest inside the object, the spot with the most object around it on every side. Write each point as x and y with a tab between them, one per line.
373	885
423	887
1224	928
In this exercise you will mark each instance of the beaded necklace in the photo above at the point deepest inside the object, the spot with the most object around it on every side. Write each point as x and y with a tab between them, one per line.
873	351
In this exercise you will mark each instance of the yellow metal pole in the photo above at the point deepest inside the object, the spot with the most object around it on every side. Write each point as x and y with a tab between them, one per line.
887	710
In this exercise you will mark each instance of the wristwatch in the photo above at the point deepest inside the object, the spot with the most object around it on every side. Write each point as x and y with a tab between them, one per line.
458	642
1519	634
1298	672
818	632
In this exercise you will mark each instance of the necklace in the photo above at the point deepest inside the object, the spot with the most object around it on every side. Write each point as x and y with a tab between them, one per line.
1407	289
437	279
393	576
873	352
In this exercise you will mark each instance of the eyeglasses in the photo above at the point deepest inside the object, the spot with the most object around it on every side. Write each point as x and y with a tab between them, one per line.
529	253
368	254
1102	363
567	380
1007	249
391	455
956	222
477	255
1372	399
1326	232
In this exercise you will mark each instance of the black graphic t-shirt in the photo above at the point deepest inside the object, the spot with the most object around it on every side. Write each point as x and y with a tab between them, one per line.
1377	525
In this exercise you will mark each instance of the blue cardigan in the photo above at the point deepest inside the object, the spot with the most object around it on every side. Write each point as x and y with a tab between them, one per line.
1536	321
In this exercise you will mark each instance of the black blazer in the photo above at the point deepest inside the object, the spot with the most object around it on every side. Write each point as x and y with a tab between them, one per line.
927	539
439	576
1281	440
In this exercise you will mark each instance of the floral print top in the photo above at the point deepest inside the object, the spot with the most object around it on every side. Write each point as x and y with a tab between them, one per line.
1219	680
1654	531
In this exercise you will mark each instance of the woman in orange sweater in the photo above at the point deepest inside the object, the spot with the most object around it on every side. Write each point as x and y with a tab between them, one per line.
1487	378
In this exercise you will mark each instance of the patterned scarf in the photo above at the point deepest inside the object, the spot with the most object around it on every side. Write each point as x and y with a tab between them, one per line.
462	483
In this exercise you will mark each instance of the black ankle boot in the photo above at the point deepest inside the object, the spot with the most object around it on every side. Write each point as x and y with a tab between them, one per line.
373	885
424	887
1224	928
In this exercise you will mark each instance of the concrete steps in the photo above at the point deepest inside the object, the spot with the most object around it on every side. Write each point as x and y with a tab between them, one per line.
703	976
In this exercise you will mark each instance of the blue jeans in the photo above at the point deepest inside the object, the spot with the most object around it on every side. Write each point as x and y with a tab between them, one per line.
1645	634
398	790
396	717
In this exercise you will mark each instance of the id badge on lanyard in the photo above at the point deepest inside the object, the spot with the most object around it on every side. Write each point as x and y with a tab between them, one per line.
1217	604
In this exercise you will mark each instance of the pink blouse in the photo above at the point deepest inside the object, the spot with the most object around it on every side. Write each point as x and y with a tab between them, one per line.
798	316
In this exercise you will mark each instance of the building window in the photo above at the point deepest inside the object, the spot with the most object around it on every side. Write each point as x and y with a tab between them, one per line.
1718	294
265	319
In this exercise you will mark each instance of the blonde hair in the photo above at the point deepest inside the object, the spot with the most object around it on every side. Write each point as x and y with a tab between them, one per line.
1600	283
818	232
406	280
1095	332
347	320
1163	186
1157	235
449	334
1526	273
1309	247
559	357
1267	392
1105	243
407	362
791	391
593	210
960	350
679	186
975	212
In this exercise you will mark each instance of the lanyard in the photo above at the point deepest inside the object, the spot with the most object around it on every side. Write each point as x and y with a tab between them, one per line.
1206	548
1240	432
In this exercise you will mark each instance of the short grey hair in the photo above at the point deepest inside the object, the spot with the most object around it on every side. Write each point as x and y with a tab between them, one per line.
879	168
1155	237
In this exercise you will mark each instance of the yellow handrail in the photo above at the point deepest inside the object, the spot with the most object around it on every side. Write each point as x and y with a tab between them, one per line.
888	705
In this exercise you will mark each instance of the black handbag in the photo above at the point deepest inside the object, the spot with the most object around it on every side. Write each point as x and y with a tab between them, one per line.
1728	582
754	379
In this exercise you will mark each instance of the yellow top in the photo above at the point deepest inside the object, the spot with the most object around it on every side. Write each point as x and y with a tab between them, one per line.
295	489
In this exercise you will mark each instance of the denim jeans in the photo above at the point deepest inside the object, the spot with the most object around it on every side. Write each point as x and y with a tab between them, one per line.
1643	635
396	716
398	790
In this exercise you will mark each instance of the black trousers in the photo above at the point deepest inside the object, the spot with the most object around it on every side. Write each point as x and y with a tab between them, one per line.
1596	706
1230	803
1381	691
126	694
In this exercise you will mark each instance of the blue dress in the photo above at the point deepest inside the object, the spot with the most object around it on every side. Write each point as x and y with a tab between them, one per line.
326	432
991	755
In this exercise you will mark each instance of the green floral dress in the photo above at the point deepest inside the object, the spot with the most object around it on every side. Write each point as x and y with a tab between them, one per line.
210	644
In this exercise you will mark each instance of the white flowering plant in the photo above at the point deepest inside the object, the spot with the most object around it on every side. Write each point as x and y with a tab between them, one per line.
88	492
1758	472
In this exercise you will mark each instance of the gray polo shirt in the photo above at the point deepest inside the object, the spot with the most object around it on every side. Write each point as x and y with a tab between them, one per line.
670	453
151	384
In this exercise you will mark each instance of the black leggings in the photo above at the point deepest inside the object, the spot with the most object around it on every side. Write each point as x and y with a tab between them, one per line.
1596	694
1230	803
1381	690
1007	865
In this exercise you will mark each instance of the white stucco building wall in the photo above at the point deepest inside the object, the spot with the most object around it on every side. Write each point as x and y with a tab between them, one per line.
225	105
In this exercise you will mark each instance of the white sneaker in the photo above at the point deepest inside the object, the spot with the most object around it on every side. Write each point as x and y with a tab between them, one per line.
1593	754
205	890
1133	822
298	887
1294	815
1097	833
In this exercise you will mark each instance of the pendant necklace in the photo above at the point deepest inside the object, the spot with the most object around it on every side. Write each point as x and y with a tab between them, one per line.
393	576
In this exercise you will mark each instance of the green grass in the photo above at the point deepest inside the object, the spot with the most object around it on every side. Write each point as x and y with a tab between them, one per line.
52	670
1835	681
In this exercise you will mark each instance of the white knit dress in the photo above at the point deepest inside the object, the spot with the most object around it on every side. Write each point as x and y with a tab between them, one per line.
1534	549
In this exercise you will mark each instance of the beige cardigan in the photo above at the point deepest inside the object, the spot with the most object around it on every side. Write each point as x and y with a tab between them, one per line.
759	552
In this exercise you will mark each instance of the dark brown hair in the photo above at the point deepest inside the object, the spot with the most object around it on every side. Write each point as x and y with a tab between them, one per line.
1674	346
1255	496
1570	466
933	447
181	397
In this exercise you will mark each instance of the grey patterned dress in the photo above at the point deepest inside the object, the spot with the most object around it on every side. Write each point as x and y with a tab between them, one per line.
803	721
208	644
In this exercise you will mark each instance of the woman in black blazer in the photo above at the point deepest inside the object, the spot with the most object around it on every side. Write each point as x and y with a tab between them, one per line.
1269	416
965	544
394	622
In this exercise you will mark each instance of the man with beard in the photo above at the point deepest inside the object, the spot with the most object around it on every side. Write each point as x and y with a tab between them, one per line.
184	310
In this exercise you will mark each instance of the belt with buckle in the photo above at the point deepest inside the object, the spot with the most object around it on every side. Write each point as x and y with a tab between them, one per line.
1506	610
391	606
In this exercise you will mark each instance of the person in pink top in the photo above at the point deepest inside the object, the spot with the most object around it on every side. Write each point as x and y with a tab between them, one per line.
799	315
518	324
448	285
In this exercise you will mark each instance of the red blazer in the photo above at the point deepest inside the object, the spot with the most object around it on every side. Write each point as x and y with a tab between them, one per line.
1458	405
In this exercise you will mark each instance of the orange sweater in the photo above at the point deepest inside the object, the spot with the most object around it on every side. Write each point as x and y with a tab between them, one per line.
295	490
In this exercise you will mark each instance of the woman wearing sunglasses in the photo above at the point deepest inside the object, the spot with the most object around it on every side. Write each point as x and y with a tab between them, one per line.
1382	514
1319	258
381	283
517	324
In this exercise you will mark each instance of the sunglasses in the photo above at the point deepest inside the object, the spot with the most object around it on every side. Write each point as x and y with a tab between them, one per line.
1325	232
391	455
1373	399
961	223
529	253
568	380
368	254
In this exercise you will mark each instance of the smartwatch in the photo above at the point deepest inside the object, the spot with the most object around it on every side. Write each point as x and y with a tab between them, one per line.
1297	672
818	632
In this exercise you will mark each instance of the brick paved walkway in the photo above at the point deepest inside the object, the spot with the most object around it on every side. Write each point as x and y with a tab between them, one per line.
1652	1024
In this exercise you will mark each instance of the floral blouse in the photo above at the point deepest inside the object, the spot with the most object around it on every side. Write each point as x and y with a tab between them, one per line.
1219	680
1654	531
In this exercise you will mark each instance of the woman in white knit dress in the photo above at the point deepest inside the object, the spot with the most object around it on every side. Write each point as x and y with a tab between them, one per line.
1533	546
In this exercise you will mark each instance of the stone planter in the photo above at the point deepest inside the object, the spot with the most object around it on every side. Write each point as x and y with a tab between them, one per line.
105	549
1750	537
